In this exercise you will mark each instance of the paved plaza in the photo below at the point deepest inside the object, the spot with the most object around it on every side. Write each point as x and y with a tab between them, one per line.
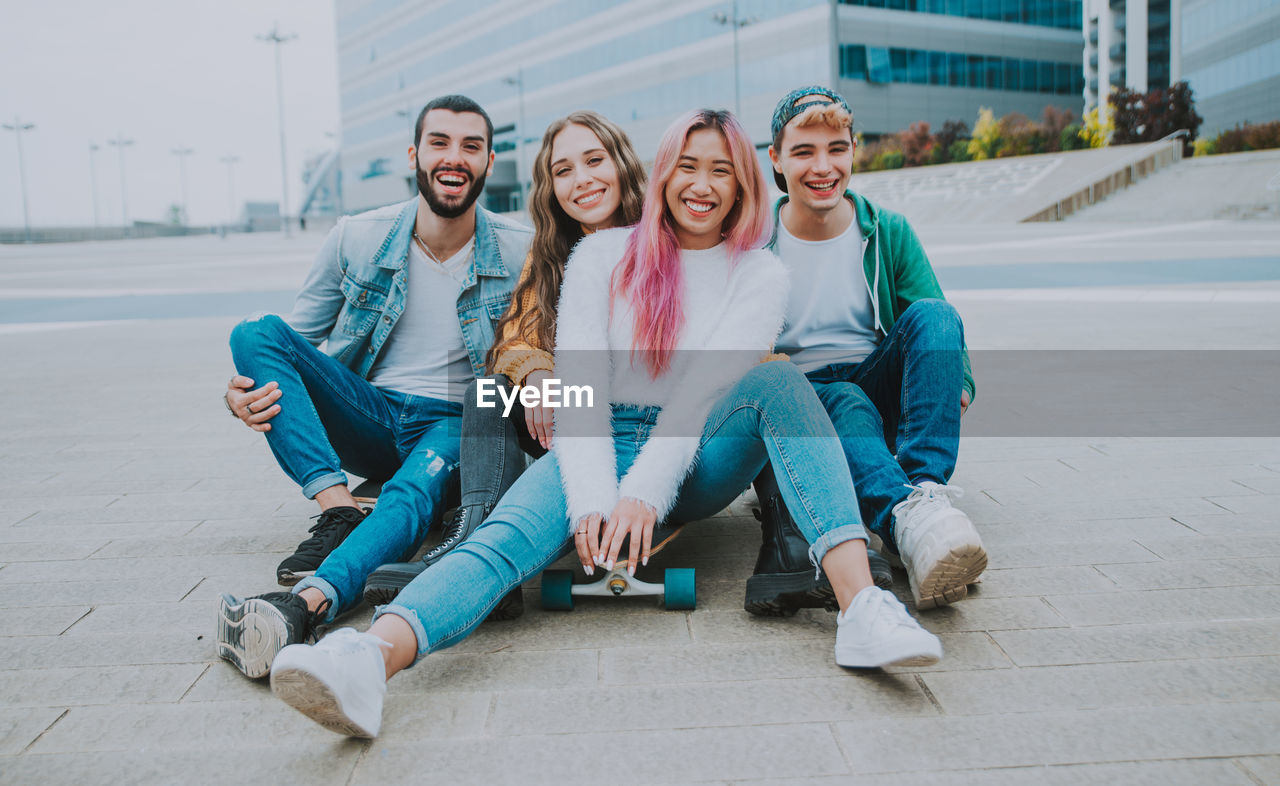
1127	631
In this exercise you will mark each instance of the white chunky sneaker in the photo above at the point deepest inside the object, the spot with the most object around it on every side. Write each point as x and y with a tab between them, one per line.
876	630
939	545
338	682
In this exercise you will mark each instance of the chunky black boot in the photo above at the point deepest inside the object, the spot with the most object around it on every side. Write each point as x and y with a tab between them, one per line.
785	580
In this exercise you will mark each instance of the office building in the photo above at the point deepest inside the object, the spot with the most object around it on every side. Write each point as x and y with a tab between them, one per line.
643	62
1230	54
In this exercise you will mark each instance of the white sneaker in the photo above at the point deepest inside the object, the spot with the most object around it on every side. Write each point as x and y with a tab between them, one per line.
338	682
876	630
939	545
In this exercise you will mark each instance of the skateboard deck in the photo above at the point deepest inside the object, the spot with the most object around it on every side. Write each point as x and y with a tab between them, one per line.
366	494
677	588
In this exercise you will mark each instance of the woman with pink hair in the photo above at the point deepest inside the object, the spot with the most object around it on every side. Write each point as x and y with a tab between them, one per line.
667	324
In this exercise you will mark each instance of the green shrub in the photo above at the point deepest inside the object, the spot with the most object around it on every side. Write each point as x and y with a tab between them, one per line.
889	159
960	150
1071	138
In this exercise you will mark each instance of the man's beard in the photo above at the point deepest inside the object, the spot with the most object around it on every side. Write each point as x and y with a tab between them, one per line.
436	203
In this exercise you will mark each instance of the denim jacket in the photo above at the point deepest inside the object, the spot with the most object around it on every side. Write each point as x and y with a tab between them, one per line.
355	291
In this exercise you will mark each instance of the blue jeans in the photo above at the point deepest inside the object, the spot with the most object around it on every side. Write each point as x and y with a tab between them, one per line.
904	398
332	419
771	414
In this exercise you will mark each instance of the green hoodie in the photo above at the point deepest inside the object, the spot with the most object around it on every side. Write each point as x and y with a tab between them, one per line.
897	270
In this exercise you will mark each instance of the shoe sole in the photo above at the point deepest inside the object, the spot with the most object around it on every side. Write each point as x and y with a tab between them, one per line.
307	694
870	658
950	577
287	578
250	634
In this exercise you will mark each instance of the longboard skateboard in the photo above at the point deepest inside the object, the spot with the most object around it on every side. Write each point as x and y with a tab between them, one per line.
677	588
366	494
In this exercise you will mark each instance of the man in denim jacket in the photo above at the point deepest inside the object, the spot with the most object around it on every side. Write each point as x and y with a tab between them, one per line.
404	300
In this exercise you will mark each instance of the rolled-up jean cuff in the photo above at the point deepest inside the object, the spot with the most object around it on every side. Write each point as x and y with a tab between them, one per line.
834	538
326	588
323	482
410	616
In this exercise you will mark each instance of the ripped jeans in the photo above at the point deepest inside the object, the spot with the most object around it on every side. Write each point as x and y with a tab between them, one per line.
331	420
771	414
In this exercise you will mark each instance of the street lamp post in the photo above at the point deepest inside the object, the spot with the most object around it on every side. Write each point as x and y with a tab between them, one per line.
93	183
230	161
735	23
276	39
17	128
182	153
518	82
120	143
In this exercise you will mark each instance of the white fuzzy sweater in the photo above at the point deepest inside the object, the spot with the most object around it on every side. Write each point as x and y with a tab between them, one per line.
736	310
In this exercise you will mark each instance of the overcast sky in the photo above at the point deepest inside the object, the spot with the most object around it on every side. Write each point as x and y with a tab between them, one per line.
167	75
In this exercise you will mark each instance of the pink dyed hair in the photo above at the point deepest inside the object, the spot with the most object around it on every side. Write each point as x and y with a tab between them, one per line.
649	274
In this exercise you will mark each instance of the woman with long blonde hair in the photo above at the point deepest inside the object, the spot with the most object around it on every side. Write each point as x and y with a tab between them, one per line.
667	322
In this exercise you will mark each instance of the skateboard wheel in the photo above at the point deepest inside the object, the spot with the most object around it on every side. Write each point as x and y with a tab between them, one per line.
678	591
557	590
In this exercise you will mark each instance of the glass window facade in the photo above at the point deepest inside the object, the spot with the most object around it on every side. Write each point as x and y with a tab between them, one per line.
1065	14
1210	19
916	66
1245	68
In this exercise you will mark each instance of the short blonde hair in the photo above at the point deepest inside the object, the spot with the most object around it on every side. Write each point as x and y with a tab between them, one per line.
831	115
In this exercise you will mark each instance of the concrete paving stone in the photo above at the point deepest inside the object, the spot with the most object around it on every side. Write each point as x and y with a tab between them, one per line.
63	593
686	755
194	545
319	763
1089	509
503	670
39	620
1022	739
661	706
1004	449
1103	530
161	524
1166	605
11	516
51	550
983	614
708	663
285	528
439	716
19	727
1066	553
1195	573
1105	487
1015	582
34	500
1157	459
1229	524
604	623
1178	772
220	681
1110	685
146	616
114	649
238	726
1265	768
1115	643
1263	484
251	502
1258	504
87	532
162	515
97	685
243	584
158	568
1208	548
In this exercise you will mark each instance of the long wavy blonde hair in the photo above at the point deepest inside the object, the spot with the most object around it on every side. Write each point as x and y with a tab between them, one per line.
555	233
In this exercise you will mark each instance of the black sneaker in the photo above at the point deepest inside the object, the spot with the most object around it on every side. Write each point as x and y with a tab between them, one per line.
333	527
251	631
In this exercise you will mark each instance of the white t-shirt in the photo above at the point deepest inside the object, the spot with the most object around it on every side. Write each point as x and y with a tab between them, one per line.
829	313
424	355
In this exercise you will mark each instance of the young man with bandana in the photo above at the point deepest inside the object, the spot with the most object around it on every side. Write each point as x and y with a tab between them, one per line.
404	299
868	325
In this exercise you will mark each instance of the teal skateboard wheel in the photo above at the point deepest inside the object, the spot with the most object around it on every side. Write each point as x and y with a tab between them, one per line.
557	590
678	590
